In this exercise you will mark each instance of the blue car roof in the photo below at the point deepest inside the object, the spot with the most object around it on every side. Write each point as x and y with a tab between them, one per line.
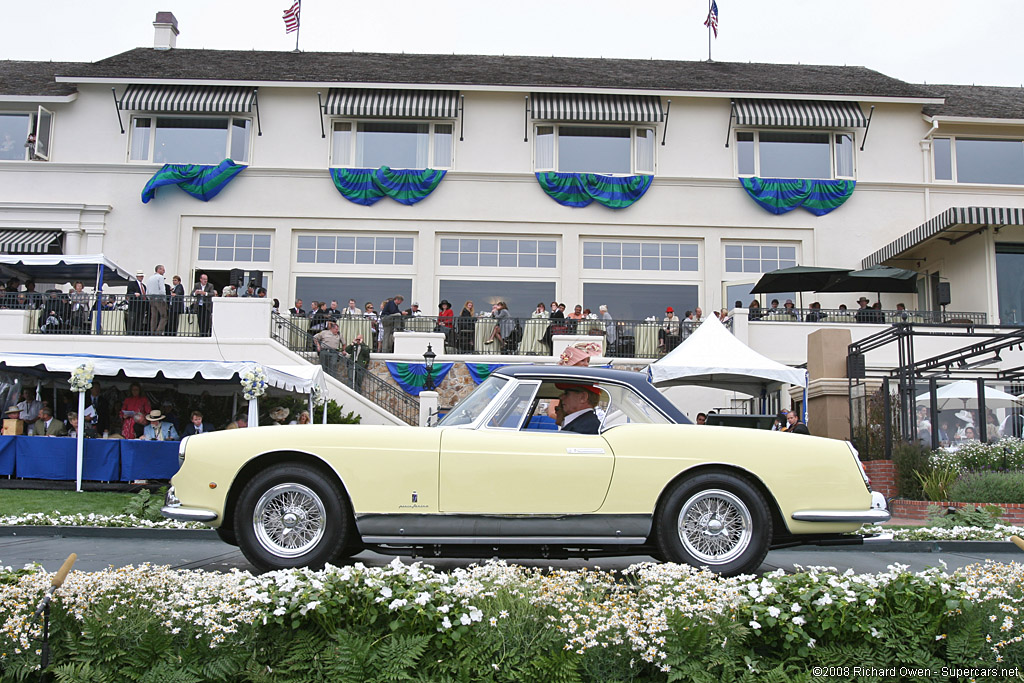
637	380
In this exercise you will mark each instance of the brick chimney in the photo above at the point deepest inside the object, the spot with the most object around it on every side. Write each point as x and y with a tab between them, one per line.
166	31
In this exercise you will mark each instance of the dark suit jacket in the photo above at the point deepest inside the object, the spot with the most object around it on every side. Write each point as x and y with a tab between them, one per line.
190	430
363	357
799	428
56	428
135	287
587	423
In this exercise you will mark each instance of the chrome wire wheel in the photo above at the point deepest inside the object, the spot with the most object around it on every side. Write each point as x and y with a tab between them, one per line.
715	526
289	520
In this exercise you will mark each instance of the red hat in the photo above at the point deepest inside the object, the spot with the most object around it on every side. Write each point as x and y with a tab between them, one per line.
566	386
670	310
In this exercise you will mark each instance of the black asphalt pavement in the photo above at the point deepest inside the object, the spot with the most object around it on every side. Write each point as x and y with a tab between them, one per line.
100	548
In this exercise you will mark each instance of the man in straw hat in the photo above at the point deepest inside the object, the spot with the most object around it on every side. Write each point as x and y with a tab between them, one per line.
157	429
578	402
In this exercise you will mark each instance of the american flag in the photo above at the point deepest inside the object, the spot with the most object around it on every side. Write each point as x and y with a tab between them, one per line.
712	20
291	17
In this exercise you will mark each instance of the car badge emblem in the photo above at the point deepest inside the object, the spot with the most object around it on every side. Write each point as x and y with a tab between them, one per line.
415	497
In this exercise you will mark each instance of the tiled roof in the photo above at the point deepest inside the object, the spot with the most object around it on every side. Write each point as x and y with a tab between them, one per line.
977	101
35	78
485	70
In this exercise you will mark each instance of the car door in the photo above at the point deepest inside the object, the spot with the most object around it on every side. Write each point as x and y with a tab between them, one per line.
500	469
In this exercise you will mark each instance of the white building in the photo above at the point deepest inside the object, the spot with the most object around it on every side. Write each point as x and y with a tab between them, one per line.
488	230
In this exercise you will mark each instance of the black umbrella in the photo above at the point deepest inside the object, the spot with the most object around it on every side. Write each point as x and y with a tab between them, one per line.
875	279
797	279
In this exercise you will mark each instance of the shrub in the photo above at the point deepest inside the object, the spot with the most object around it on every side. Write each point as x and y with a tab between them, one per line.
146	505
911	461
988	487
985	517
1005	454
936	484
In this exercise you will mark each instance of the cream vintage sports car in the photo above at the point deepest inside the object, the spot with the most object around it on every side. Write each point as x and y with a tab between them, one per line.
497	479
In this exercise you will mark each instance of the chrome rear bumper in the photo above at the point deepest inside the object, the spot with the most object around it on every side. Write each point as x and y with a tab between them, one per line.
876	515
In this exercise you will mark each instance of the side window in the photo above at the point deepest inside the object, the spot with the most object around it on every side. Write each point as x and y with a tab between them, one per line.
512	411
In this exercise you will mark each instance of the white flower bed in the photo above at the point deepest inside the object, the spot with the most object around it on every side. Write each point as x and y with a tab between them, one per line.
93	520
589	608
1001	532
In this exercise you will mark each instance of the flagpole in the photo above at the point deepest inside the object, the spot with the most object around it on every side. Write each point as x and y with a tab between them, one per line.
298	27
709	29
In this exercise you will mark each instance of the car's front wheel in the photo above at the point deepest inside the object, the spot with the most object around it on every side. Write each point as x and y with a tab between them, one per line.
292	516
716	519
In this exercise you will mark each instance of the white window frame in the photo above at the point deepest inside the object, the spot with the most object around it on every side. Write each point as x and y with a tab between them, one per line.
623	272
731	276
831	149
29	128
633	145
352	269
214	264
452	272
164	115
353	135
952	158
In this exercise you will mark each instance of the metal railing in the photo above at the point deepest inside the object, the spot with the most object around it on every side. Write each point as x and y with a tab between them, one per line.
533	336
339	366
56	312
867	315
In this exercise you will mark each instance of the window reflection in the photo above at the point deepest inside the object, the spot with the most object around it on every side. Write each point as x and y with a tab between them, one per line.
1010	282
794	155
13	133
990	161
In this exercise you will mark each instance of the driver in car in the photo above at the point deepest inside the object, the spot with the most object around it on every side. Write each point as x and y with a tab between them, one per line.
578	401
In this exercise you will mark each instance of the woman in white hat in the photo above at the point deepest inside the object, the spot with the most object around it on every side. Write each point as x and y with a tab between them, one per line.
278	415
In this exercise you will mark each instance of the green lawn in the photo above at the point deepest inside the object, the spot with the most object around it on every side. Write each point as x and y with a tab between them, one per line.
19	502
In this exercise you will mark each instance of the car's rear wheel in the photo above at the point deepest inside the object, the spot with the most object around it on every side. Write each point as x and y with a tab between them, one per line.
292	516
718	520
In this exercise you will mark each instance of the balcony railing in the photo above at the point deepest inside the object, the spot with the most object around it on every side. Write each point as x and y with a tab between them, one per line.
296	338
113	314
867	315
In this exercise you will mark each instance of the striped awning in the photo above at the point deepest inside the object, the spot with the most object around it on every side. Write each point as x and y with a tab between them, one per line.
188	99
969	217
798	114
27	241
598	108
392	104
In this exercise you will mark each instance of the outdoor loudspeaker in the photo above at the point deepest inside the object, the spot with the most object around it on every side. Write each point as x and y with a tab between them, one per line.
235	277
942	293
855	366
256	276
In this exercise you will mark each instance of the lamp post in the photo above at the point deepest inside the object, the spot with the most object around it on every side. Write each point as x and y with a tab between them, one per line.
428	361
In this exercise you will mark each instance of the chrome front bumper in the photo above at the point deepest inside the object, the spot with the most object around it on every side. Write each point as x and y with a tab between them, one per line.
172	509
876	515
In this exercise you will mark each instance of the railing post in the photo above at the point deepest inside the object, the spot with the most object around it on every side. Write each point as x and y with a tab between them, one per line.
428	408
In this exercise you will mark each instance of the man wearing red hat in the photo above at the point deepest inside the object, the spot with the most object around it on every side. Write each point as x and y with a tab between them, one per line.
668	335
577	402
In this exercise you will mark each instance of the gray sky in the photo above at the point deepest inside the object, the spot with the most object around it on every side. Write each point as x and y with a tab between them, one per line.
935	41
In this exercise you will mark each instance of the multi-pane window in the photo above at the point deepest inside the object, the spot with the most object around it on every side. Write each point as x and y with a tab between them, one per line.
25	135
234	246
498	253
355	249
652	256
786	154
979	160
758	258
579	148
189	139
396	144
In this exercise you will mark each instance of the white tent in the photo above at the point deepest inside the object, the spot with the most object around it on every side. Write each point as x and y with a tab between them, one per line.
713	357
291	378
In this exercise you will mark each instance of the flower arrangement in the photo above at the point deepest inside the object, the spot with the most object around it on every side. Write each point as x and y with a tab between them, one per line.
81	378
254	383
318	395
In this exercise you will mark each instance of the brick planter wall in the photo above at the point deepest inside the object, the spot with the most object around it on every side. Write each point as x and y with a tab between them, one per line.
1013	513
882	474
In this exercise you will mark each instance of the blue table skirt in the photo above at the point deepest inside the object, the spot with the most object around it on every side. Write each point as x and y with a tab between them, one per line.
6	456
54	457
148	459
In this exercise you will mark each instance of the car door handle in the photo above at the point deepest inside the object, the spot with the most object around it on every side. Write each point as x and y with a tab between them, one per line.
584	451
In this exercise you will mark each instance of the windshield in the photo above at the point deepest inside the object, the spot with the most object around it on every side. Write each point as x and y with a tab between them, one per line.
471	407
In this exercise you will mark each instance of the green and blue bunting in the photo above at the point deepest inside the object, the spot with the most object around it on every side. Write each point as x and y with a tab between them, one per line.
580	189
201	181
412	377
781	195
481	371
367	186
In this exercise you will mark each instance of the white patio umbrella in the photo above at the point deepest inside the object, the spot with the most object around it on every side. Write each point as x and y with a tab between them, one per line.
964	395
